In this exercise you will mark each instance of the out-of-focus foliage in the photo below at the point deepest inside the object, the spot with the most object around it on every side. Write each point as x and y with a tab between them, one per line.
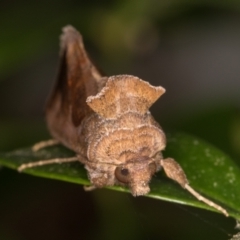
115	27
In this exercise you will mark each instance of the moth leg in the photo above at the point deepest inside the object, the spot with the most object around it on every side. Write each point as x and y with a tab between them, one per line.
100	175
174	171
89	188
47	143
46	162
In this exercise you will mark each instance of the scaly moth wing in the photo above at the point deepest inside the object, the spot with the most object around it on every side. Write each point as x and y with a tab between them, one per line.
77	79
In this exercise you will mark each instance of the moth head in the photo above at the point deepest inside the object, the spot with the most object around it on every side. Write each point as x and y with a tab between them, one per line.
137	174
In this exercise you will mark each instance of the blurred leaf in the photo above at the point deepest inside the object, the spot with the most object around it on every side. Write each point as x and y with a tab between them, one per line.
208	169
202	122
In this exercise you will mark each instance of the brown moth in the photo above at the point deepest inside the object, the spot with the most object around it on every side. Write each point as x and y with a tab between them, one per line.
106	121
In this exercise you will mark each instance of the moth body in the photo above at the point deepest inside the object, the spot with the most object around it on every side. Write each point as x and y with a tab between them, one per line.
123	148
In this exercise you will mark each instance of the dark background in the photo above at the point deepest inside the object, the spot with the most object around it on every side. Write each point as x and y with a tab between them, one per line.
192	50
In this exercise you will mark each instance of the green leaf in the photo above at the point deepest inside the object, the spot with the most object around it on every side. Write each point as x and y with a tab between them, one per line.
210	171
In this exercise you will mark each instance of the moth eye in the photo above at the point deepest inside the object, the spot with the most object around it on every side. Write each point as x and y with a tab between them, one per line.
152	167
122	175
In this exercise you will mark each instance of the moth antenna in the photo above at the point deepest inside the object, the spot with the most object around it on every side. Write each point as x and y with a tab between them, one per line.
47	143
46	162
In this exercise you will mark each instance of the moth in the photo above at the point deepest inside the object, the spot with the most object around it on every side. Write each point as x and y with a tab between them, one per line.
106	121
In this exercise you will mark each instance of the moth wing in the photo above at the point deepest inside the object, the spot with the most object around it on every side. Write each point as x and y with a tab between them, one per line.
77	79
124	93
